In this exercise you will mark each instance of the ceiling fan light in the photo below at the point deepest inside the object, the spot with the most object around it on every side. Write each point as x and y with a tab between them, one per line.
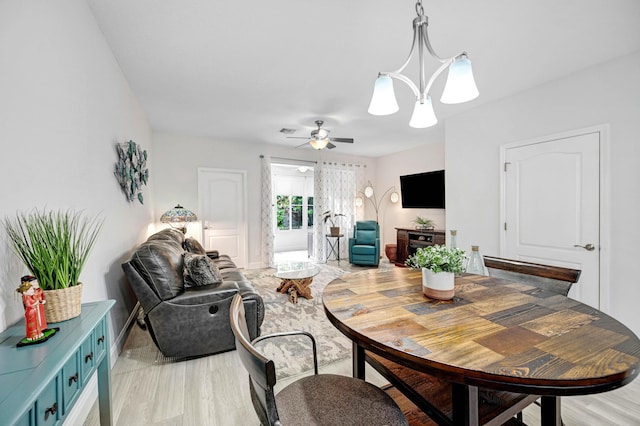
460	86
423	115
319	143
383	101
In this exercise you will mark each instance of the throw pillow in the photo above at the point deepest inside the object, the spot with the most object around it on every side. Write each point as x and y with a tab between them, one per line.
199	270
192	245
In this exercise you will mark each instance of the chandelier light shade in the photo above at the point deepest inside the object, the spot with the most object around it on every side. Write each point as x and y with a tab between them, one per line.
423	115
383	101
460	86
178	217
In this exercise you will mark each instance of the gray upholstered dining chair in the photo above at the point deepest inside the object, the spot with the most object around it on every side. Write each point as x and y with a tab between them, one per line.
555	279
320	399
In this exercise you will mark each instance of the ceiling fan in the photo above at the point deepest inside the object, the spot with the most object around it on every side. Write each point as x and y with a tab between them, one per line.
320	139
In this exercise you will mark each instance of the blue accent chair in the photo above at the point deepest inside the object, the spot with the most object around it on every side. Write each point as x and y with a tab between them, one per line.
364	246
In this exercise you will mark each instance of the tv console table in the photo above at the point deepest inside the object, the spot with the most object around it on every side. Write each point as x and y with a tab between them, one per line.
40	383
408	240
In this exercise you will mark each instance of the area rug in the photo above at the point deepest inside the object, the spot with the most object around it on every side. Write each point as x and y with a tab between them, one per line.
293	355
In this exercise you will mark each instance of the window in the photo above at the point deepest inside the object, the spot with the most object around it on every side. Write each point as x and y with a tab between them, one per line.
290	212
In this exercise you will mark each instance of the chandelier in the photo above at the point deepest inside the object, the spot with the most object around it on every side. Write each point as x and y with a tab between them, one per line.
460	86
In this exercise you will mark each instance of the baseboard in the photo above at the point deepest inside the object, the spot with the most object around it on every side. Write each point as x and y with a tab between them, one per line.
255	265
118	344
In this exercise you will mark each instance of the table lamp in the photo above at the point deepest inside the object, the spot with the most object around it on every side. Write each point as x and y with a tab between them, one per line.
178	218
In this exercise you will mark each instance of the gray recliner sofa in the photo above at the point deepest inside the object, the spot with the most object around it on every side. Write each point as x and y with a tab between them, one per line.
188	321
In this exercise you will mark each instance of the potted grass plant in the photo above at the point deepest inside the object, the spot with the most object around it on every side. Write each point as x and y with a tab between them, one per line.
54	246
439	263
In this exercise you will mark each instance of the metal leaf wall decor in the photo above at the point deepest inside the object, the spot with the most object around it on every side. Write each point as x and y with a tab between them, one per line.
131	169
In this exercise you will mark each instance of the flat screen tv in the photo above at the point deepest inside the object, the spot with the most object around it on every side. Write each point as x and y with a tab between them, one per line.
423	190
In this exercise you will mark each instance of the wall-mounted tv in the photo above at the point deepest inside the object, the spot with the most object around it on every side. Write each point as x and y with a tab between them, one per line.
423	190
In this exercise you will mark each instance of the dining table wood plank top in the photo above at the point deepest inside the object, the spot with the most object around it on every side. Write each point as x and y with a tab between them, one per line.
494	334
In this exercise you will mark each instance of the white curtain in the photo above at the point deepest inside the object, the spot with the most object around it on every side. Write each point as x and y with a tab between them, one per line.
267	213
335	189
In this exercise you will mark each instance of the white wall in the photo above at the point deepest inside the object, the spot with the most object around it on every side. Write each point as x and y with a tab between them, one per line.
605	94
389	168
64	104
177	158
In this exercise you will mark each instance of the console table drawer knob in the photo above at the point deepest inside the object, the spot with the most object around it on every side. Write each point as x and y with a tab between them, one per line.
51	410
88	357
73	378
100	339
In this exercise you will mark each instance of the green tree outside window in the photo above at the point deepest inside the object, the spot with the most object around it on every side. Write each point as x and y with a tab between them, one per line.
296	212
282	211
310	212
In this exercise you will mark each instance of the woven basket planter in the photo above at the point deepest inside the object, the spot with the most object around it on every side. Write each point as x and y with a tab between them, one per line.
63	304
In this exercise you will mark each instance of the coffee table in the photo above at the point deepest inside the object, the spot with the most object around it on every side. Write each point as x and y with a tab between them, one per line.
296	278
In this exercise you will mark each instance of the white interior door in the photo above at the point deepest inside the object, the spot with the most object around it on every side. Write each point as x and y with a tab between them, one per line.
222	207
552	208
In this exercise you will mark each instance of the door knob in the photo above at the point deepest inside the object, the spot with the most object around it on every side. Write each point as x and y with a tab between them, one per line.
588	247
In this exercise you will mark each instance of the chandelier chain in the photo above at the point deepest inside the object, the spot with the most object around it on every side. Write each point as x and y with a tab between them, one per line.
419	8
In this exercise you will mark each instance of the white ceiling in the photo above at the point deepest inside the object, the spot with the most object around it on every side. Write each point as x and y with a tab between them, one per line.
240	71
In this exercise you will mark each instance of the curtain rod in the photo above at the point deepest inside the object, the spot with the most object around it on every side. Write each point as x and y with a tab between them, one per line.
344	164
291	159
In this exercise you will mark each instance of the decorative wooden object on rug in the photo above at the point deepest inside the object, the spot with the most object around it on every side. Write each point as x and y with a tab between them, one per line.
296	287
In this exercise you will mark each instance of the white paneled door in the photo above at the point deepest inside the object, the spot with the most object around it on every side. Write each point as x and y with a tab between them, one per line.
552	207
223	211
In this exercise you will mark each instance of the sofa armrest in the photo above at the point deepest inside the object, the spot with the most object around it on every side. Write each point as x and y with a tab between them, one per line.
205	294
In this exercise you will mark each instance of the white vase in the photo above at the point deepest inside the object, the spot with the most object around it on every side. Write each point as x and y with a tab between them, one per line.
438	285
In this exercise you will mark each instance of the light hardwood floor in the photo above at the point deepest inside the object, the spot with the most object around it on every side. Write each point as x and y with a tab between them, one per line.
148	389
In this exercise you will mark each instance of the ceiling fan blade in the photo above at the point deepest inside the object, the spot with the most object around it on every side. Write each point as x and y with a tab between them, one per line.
304	144
298	137
330	146
345	140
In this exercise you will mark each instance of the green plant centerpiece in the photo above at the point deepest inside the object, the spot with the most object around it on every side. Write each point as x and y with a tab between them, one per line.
439	264
333	219
423	223
54	246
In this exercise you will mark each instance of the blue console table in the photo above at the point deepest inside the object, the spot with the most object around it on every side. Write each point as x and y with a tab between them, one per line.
40	383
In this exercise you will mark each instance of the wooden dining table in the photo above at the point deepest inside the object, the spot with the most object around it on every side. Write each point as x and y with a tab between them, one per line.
494	334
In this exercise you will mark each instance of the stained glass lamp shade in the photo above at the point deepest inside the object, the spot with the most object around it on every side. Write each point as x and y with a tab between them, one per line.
178	217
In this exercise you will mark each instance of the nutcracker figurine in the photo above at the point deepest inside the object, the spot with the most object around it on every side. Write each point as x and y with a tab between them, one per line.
33	301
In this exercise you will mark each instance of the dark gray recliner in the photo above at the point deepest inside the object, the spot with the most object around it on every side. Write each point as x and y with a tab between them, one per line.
192	321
